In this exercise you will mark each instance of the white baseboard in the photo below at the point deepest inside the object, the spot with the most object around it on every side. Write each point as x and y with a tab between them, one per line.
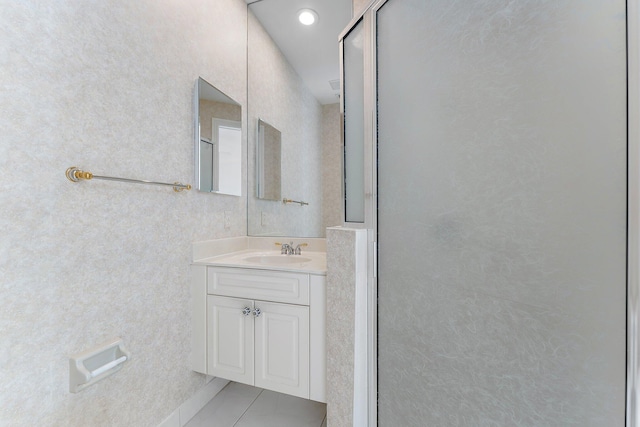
181	416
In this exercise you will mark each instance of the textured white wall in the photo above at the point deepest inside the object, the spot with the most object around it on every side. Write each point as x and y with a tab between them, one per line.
331	166
106	86
359	5
341	293
278	96
346	369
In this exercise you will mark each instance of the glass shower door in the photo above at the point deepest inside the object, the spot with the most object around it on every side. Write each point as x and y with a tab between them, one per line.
501	212
354	120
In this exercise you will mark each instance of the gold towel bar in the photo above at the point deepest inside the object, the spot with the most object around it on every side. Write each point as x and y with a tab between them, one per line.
285	201
74	174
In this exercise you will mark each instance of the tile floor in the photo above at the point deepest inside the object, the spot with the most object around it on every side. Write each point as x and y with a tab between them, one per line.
239	405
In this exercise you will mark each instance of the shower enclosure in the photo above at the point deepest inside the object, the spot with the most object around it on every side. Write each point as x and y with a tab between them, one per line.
499	201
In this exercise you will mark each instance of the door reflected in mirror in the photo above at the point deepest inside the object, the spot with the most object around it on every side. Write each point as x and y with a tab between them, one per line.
218	144
268	162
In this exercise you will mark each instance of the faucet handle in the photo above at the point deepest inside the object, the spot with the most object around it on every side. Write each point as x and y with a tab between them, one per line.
298	249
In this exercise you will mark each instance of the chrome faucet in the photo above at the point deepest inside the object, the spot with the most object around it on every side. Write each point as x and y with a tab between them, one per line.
288	249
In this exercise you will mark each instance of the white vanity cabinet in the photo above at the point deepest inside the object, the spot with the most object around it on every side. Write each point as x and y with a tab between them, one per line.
259	343
261	327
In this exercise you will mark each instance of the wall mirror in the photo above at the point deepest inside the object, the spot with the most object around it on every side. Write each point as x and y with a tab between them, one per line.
268	162
218	141
293	86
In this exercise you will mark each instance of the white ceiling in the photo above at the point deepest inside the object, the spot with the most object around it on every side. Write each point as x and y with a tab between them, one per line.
311	50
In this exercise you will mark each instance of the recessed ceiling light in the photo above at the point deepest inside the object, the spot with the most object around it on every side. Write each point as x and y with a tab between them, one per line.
307	16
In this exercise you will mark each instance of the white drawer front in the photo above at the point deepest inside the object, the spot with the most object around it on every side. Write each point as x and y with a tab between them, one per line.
265	285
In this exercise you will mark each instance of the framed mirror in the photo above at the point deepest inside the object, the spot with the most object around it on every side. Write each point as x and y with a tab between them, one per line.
268	162
218	141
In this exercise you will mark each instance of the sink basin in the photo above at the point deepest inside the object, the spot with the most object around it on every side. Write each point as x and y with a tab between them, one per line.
277	259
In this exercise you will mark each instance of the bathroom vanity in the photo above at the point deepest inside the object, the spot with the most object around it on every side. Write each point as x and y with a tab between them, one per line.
259	319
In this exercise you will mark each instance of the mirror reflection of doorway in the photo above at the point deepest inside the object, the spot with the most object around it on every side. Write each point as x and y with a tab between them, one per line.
227	155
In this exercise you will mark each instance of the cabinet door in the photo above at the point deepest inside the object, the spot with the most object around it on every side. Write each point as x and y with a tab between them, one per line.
282	348
230	339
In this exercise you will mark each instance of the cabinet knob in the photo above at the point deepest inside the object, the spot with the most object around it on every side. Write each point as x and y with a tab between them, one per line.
257	312
246	311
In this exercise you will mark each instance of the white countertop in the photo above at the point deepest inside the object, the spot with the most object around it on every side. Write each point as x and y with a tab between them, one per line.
310	262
